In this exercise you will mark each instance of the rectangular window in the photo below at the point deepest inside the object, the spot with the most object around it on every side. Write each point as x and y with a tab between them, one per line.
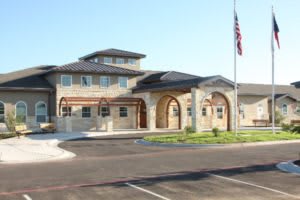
131	61
123	112
107	60
242	111
189	111
120	61
123	82
66	81
175	111
104	81
86	81
204	111
220	112
86	112
2	116
65	113
104	111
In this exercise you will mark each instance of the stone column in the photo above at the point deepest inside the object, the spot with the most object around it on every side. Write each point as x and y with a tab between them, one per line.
109	124
196	106
68	124
184	115
151	112
98	122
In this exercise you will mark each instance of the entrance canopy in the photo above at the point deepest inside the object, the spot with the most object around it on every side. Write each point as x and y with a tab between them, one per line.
99	102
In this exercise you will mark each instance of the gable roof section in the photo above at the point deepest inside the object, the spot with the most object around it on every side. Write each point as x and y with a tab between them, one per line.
266	90
114	52
168	76
90	67
177	84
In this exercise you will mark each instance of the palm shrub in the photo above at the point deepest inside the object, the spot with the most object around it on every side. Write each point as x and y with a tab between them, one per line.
216	131
10	121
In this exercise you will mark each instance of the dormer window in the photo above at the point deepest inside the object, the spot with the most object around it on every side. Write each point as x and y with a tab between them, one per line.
94	60
120	61
107	60
131	61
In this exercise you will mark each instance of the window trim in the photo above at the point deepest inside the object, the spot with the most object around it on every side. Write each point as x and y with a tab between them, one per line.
86	112
61	81
189	111
108	81
220	112
26	110
3	111
81	81
62	113
130	63
119	82
107	62
284	113
106	113
204	110
120	59
123	111
41	102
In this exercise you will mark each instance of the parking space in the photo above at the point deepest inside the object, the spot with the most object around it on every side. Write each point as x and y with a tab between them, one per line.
113	167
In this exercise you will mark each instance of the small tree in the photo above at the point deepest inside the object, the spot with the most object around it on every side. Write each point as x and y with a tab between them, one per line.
278	118
10	121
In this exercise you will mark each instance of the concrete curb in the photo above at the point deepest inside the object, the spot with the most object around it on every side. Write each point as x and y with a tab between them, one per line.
147	143
289	167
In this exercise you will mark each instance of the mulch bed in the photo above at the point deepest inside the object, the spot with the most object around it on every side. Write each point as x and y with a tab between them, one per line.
297	162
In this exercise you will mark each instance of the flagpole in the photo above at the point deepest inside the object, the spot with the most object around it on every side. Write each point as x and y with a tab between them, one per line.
273	72
235	84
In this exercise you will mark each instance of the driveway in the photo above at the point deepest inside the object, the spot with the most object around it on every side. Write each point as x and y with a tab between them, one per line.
114	167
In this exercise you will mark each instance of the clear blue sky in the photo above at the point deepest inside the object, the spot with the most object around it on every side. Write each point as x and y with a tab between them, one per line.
192	36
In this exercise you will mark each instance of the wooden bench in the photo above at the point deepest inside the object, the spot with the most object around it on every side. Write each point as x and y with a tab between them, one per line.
295	122
22	130
261	121
48	127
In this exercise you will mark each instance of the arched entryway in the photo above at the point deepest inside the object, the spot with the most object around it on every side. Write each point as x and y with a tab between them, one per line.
168	113
215	111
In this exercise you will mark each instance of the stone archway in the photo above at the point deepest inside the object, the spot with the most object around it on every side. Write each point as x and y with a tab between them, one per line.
143	114
219	115
168	113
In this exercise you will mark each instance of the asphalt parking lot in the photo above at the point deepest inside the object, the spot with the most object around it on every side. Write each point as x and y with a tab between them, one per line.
116	168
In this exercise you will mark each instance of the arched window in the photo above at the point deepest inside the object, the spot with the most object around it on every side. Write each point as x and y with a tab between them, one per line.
40	112
2	112
284	109
21	112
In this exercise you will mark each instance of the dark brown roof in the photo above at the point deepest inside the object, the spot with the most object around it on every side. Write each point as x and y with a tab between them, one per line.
266	90
114	52
31	78
90	67
168	76
176	84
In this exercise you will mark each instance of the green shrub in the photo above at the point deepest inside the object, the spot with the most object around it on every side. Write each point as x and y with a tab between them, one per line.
296	129
278	117
216	131
287	127
188	130
7	135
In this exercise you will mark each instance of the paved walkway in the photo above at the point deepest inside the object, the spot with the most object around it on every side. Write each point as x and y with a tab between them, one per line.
44	147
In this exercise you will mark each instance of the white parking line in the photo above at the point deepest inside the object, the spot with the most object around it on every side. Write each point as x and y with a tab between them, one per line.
27	197
254	185
147	191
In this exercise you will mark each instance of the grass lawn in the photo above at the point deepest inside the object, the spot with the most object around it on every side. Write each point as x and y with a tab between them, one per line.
224	137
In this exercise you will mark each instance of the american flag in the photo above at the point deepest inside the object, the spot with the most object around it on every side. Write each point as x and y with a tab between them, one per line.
238	36
276	31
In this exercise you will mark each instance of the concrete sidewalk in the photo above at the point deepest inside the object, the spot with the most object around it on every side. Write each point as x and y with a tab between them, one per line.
44	147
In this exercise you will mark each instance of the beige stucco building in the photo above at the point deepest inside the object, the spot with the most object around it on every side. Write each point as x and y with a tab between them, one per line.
108	90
